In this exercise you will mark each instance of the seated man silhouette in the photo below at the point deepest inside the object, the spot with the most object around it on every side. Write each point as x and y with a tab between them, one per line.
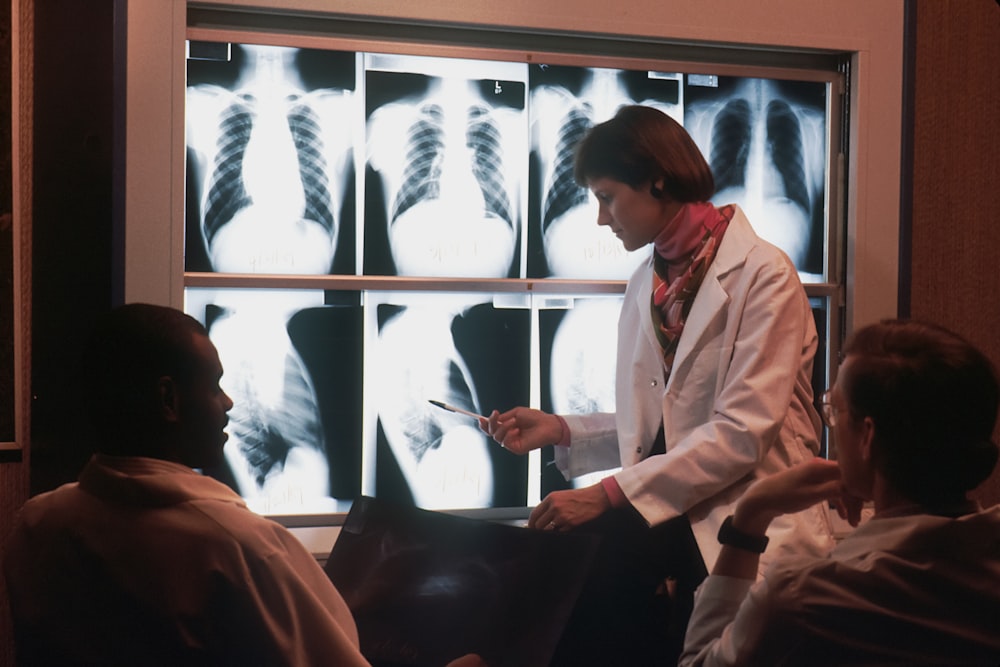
912	414
144	561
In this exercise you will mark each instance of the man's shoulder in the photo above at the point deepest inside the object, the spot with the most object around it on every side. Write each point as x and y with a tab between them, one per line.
242	528
793	583
52	503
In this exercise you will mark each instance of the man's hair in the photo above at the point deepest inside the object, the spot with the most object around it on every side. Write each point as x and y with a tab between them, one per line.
644	145
130	349
933	398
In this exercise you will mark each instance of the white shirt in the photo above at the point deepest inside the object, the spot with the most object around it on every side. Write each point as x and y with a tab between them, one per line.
146	562
910	590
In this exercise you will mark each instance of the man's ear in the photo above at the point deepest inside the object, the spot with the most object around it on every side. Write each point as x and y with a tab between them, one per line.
866	440
168	400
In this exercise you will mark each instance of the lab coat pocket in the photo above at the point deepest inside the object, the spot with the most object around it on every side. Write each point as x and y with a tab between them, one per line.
697	383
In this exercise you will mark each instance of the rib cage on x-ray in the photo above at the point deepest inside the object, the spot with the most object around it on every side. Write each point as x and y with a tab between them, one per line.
226	192
425	152
784	136
565	103
767	153
563	192
269	159
483	138
306	134
442	156
730	144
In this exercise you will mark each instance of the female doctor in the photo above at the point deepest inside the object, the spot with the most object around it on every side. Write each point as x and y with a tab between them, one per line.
715	350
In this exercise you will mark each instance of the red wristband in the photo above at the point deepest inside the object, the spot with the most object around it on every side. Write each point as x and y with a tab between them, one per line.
614	492
565	437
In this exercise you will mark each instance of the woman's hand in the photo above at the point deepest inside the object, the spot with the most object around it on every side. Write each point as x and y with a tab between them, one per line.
562	510
522	429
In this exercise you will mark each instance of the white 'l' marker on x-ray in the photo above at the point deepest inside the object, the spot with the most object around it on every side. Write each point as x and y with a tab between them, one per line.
452	408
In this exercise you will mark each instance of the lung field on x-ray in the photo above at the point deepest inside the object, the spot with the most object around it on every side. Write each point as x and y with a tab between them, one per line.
472	356
483	137
304	124
424	163
227	193
564	238
422	170
564	192
269	169
444	175
293	374
765	141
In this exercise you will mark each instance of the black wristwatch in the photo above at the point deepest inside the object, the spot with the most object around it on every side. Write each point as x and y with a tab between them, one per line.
737	538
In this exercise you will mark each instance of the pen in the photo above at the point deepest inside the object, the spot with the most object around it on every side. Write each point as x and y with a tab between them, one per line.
452	408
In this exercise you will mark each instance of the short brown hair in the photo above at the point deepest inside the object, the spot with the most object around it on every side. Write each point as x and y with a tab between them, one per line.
933	398
644	145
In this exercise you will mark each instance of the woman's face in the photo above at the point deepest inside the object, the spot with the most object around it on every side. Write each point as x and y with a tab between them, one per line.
634	215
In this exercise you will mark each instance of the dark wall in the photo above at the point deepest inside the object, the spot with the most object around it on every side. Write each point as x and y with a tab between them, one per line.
72	228
13	467
954	236
6	237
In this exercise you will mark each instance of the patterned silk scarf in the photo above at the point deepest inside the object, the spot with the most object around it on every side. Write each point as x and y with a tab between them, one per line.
671	300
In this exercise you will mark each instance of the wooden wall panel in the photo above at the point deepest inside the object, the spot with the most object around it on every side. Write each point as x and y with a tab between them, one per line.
956	175
14	465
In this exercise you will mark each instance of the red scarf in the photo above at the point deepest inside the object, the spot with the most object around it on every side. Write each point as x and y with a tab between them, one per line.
684	251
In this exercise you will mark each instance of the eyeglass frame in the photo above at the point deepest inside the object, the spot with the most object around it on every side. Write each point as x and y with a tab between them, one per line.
827	410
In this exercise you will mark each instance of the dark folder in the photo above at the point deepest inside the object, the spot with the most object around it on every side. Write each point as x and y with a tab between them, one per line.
426	587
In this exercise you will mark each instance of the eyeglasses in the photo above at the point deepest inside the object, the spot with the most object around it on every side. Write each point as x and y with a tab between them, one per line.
828	410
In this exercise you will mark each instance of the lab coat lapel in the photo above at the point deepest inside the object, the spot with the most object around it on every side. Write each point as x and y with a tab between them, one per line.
712	299
642	299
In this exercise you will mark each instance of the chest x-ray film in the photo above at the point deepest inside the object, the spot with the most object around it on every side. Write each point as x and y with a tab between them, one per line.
766	142
405	185
566	102
578	337
446	167
270	140
292	366
314	161
464	351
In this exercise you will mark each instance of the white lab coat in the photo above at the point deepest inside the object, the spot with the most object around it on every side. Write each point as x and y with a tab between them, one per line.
737	406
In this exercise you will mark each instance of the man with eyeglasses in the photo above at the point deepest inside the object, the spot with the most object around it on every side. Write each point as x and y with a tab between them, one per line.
912	414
